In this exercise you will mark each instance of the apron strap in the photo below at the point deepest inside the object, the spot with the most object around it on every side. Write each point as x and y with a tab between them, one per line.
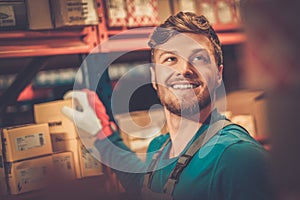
148	176
184	159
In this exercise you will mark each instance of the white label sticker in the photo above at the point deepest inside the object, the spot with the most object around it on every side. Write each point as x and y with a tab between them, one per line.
80	11
31	175
30	141
143	8
116	9
89	161
7	16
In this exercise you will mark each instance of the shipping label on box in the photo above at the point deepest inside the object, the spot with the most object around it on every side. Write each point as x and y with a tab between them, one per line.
90	166
63	164
142	13
7	15
26	141
74	12
50	113
116	13
29	175
12	15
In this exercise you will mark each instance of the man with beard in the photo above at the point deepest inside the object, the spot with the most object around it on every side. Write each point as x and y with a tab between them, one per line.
203	156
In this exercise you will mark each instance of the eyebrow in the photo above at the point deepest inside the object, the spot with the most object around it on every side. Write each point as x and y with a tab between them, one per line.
168	52
177	53
200	50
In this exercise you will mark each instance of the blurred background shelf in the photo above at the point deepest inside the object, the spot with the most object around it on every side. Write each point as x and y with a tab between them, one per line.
47	43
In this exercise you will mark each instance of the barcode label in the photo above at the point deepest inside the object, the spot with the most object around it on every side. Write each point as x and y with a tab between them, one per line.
7	16
79	11
89	161
63	162
32	175
30	141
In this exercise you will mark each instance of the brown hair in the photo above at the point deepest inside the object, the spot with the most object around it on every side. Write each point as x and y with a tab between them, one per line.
189	23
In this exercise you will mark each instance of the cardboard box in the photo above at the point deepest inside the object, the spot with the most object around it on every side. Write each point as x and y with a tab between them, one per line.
63	165
74	12
164	10
246	121
247	108
13	15
138	128
242	102
85	164
70	145
26	141
261	118
39	16
58	123
63	144
29	175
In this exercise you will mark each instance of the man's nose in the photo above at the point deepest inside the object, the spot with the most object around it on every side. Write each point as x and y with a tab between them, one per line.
185	68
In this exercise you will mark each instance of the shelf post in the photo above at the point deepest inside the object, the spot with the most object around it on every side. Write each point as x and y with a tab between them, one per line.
21	81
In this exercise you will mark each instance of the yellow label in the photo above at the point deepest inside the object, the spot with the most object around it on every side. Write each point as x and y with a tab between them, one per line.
7	16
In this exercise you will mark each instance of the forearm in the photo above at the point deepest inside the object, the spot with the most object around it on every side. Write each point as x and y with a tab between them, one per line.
96	131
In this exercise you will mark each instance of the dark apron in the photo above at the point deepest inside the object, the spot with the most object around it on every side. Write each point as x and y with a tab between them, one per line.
181	164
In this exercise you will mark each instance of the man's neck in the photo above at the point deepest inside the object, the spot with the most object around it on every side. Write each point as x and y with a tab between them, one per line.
182	129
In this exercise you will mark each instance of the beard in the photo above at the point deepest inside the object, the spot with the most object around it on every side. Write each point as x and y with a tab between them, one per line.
184	105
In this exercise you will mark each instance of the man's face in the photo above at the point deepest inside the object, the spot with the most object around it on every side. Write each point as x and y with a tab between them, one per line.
185	73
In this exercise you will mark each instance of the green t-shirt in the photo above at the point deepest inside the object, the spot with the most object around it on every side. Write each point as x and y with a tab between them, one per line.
230	166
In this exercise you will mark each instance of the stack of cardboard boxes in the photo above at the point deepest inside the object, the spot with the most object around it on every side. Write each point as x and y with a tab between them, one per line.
64	137
45	14
248	109
27	161
33	155
139	128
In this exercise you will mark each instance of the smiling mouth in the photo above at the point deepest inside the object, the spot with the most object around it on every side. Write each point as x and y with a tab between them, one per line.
183	86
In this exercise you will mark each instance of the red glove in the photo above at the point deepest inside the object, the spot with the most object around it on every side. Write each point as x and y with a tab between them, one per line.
100	111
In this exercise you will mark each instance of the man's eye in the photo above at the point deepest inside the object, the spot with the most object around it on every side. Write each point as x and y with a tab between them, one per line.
199	58
202	59
170	59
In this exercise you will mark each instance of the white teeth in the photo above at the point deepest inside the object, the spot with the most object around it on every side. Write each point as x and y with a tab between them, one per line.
183	86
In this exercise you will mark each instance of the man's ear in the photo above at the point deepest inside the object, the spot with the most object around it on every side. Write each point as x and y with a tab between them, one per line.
153	77
220	75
